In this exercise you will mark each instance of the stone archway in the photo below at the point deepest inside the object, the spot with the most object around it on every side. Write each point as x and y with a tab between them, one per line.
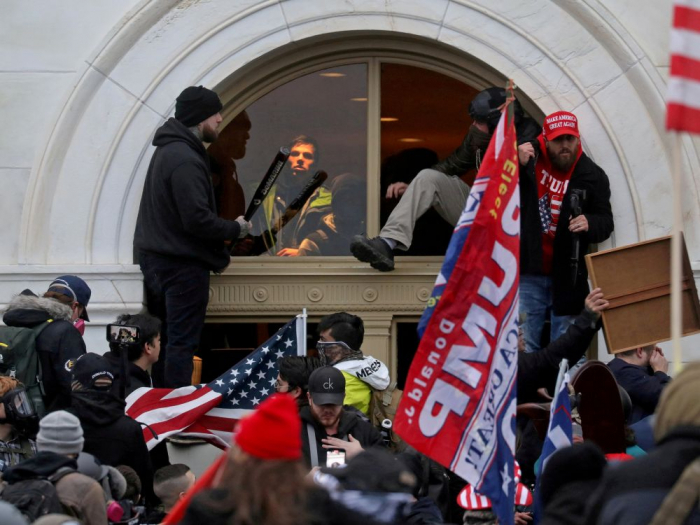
96	157
81	202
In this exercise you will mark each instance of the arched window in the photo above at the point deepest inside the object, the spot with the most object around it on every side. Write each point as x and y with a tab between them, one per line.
368	123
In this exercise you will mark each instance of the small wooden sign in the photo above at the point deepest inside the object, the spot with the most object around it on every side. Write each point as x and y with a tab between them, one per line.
636	280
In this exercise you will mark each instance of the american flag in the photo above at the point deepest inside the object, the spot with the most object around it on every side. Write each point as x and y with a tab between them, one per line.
545	212
683	96
210	411
469	499
559	432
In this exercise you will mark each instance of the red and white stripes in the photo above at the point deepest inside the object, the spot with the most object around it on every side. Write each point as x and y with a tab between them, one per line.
683	98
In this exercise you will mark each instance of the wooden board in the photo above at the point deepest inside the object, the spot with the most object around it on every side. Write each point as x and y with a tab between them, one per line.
636	280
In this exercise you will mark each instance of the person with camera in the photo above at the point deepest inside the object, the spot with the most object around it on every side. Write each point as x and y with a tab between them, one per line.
564	207
141	354
440	187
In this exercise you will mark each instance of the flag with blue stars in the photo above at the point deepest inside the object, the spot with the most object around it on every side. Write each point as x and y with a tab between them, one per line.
545	208
210	411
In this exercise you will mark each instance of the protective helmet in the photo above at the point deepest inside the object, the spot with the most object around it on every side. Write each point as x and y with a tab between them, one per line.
485	107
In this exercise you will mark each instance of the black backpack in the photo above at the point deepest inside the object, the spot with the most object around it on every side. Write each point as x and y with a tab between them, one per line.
19	358
36	497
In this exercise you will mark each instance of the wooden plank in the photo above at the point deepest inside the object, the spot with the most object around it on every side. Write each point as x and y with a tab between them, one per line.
636	281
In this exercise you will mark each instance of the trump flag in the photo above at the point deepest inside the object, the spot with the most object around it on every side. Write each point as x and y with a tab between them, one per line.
459	401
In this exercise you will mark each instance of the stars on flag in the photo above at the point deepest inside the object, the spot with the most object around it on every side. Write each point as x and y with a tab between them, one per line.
250	381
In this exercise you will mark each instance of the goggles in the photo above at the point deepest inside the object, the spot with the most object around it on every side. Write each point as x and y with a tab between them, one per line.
334	348
325	345
20	411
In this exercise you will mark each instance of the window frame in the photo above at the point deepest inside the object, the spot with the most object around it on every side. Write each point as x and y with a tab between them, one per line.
255	80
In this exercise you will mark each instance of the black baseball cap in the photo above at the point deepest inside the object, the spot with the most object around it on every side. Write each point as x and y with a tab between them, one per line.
327	386
93	372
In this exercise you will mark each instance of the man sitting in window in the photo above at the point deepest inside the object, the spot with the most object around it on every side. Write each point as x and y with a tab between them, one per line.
440	187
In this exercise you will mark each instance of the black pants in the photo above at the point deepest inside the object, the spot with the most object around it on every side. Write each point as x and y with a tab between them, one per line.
178	294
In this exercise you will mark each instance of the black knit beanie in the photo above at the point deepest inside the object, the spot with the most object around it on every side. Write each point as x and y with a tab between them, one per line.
196	104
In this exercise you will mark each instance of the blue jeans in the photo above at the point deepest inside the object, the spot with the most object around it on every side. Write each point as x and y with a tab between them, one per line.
536	305
178	294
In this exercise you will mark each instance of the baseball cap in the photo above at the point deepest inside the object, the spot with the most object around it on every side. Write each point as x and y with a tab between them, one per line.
327	386
560	123
93	372
73	286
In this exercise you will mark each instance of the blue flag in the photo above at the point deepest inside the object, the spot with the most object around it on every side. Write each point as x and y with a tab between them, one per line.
559	435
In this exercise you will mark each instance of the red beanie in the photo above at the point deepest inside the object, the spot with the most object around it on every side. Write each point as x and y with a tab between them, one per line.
273	431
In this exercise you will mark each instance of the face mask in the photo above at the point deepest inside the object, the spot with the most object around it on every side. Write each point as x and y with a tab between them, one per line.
478	138
80	326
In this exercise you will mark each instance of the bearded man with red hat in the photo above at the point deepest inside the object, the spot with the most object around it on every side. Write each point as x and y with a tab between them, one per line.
565	206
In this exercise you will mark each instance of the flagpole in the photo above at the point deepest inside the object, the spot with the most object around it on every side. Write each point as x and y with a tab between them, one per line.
302	346
563	369
676	256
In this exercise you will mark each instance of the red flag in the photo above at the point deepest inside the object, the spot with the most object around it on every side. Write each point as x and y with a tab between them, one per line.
683	96
459	401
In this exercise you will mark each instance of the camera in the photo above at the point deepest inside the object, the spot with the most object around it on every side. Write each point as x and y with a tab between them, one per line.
123	334
335	458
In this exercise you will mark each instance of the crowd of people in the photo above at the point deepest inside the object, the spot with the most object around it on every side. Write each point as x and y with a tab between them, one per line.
318	450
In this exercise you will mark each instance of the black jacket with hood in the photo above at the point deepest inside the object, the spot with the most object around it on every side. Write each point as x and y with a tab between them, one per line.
351	422
58	345
588	176
469	154
137	377
632	492
540	369
177	217
112	436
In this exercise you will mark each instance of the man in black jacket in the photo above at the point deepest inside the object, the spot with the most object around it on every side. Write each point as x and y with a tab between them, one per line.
179	236
110	435
661	487
554	235
539	369
440	187
326	425
59	342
